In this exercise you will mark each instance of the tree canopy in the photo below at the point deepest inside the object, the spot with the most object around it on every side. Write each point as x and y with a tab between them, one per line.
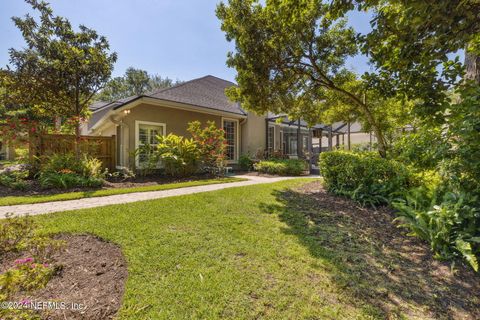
414	45
60	69
290	58
133	82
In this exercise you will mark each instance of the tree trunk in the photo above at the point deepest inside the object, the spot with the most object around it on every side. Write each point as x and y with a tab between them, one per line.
77	140
472	65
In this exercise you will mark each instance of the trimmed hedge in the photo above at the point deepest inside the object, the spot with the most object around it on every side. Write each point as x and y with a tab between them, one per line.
284	167
364	177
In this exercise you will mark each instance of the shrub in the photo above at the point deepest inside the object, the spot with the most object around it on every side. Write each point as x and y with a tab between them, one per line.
423	149
65	171
14	179
178	155
211	146
122	174
450	223
27	274
14	233
292	167
364	177
245	162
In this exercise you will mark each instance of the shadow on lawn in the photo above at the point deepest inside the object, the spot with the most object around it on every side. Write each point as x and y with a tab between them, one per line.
372	260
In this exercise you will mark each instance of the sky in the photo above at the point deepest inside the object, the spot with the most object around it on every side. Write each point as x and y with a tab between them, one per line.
179	39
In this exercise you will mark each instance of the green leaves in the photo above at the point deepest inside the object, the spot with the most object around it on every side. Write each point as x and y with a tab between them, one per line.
465	249
61	68
133	82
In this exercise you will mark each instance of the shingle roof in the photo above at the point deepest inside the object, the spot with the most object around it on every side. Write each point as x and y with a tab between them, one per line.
100	109
206	92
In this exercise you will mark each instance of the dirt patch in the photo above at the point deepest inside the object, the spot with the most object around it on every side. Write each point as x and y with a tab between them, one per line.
92	276
376	261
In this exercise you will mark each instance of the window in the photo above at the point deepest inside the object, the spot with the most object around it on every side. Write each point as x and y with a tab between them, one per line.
230	128
271	138
146	135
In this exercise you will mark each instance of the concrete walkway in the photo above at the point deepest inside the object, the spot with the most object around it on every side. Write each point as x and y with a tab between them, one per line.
48	207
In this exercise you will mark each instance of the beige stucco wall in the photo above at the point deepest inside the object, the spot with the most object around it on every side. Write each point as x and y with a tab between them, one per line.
253	134
176	121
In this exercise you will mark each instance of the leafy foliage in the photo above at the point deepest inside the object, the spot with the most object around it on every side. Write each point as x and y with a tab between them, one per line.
364	177
245	162
451	224
211	145
423	149
14	179
133	82
414	46
66	171
290	167
290	58
18	234
60	70
179	156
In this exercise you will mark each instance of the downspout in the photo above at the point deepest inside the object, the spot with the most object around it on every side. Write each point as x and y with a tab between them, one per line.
240	147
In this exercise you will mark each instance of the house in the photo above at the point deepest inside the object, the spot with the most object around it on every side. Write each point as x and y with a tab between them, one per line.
137	120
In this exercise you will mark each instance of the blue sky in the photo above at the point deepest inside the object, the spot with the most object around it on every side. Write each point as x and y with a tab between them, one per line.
176	38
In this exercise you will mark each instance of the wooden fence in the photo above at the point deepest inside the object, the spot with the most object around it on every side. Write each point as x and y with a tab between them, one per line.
102	148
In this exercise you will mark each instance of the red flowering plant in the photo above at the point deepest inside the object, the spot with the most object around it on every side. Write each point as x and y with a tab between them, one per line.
211	144
18	129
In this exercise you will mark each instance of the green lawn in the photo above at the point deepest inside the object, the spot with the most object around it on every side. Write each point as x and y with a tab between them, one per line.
256	252
14	200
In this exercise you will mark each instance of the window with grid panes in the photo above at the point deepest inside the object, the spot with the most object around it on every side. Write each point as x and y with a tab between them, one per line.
230	137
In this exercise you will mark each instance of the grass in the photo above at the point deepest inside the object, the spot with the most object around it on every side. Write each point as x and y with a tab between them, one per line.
262	252
214	255
15	200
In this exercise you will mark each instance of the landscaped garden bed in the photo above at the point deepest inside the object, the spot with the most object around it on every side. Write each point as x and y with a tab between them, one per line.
141	184
57	277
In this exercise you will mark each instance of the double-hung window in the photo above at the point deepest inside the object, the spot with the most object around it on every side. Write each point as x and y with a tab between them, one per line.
146	139
230	128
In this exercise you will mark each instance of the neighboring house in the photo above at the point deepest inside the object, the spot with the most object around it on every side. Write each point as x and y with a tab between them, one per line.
137	120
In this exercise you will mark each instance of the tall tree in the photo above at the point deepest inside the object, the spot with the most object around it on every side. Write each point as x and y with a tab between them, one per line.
133	82
60	70
414	45
290	55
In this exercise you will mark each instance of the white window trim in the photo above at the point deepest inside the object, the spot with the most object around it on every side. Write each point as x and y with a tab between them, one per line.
237	142
274	134
137	131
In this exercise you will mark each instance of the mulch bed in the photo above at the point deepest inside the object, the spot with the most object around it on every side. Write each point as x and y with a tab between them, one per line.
34	187
381	264
92	275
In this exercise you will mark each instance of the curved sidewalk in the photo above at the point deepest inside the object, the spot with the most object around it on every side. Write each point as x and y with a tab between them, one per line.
49	207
